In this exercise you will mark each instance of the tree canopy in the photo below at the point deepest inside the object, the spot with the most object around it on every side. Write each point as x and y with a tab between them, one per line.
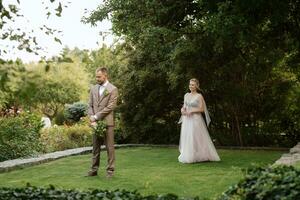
245	54
25	40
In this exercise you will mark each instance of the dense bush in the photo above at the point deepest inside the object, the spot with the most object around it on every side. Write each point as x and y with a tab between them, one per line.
52	193
276	183
60	118
254	137
73	112
121	136
59	138
19	136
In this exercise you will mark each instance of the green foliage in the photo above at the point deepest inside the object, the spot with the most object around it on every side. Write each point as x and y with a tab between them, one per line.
58	138
23	39
277	183
111	57
297	165
248	65
31	87
58	86
60	119
31	192
14	78
121	136
19	136
158	173
75	111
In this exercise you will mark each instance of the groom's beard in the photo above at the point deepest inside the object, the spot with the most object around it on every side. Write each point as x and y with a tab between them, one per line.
101	82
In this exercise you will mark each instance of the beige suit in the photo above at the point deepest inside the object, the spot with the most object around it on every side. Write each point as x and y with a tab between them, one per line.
102	107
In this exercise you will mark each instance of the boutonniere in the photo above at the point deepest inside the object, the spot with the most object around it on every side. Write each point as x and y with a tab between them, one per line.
105	93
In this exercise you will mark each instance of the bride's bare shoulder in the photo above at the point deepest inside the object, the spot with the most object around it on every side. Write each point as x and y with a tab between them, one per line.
200	96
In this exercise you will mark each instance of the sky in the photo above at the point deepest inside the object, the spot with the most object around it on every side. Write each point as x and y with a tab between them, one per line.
74	32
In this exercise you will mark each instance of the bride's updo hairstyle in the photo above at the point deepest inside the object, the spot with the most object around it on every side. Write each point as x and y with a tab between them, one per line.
197	83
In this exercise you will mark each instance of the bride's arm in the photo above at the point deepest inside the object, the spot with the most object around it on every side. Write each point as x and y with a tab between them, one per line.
183	108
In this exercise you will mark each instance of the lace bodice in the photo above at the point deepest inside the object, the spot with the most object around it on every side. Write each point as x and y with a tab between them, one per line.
191	100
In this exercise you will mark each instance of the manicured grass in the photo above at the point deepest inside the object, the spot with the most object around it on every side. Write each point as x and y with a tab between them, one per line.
148	170
297	165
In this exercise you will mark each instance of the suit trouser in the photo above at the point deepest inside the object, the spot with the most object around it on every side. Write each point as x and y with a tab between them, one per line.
108	140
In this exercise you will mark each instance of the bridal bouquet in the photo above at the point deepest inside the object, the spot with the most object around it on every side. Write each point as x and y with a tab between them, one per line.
100	129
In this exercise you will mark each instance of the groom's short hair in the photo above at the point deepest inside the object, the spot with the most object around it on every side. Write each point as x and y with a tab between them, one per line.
102	69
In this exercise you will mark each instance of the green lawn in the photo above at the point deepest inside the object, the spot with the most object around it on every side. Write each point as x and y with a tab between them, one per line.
148	170
297	165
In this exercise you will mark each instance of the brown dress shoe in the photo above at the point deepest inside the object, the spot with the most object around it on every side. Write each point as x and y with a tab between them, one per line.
109	174
91	173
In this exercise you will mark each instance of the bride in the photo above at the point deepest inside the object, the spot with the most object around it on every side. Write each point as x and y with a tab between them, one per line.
195	143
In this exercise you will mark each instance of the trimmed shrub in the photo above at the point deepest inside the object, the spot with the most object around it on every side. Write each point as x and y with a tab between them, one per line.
60	119
75	111
19	136
51	193
58	138
275	182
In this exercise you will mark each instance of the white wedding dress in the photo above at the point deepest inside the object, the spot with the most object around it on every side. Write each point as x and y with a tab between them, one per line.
195	143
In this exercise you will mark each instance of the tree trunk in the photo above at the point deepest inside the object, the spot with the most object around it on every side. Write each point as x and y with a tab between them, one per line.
237	125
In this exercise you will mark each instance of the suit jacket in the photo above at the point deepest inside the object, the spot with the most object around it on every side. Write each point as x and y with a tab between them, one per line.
102	106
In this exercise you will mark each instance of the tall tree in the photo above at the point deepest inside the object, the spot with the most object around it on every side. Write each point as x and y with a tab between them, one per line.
245	53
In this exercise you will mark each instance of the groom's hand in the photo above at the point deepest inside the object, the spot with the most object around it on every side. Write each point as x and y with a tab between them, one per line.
92	119
94	124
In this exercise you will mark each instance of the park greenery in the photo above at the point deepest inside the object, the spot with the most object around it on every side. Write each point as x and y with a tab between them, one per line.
246	55
25	39
154	170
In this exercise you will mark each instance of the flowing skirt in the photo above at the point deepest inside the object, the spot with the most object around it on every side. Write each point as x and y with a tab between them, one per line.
195	143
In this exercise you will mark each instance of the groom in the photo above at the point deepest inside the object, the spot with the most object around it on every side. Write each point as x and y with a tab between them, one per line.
102	101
